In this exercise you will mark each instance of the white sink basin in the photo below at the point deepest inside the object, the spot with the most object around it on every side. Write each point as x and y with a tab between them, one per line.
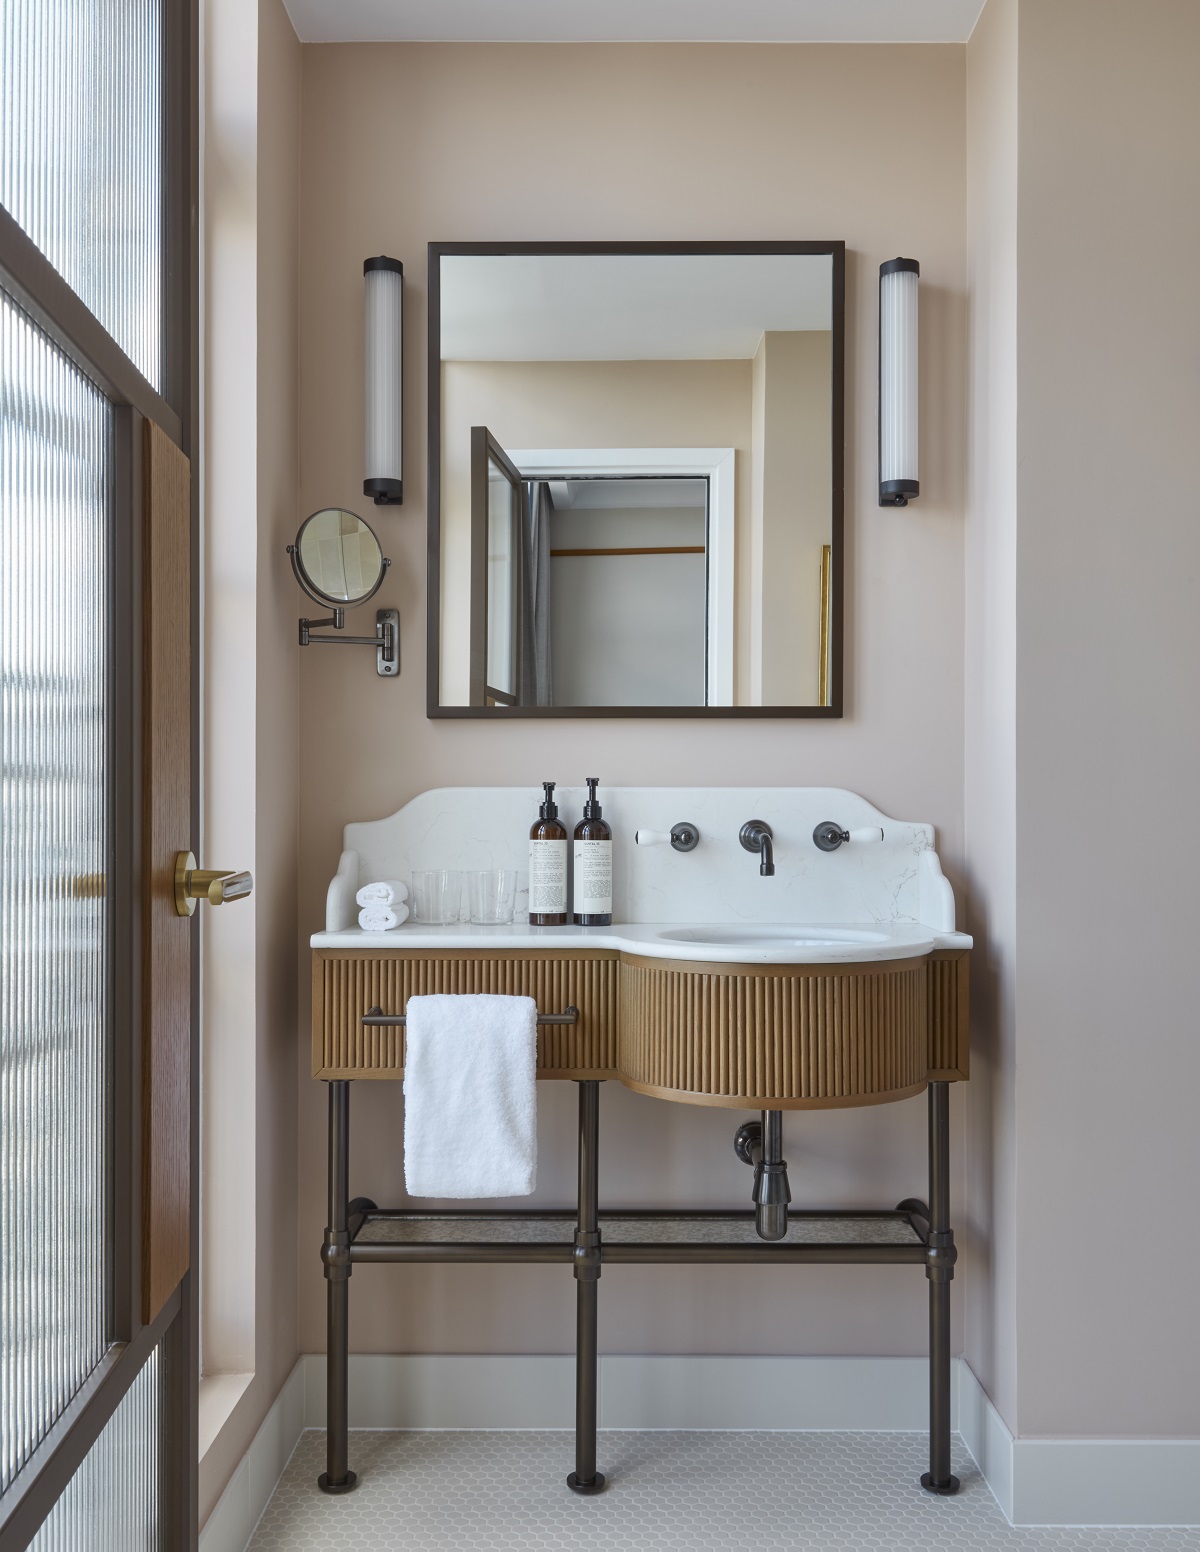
776	943
773	937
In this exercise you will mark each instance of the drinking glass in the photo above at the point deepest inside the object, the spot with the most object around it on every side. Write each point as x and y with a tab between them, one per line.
436	896
493	893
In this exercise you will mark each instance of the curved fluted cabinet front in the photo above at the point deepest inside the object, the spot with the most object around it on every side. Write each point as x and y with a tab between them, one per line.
774	1037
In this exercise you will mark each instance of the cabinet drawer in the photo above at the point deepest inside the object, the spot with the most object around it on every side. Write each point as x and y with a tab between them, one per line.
347	983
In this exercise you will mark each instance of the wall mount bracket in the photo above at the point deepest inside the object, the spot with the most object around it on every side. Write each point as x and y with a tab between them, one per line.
386	639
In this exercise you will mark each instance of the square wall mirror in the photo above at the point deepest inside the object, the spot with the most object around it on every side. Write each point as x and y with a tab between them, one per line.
635	479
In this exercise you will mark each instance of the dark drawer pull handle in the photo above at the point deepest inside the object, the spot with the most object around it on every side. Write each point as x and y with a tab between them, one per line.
376	1018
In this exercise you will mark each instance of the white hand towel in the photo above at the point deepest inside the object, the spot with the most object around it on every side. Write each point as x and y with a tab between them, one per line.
382	918
470	1106
388	891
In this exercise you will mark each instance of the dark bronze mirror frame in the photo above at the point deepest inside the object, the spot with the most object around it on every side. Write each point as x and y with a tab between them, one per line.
837	252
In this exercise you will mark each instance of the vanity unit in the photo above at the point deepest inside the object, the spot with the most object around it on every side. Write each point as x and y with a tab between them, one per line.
837	980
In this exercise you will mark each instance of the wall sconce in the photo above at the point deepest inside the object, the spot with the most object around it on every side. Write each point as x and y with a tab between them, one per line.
898	480
383	285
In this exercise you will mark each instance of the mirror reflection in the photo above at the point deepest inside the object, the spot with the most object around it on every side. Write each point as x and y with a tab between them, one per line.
338	557
640	480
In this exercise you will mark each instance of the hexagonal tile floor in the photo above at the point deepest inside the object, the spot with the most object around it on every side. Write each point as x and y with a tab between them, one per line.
668	1492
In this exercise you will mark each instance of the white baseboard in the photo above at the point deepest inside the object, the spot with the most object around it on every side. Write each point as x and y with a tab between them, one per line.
515	1391
239	1508
986	1435
1094	1482
1035	1481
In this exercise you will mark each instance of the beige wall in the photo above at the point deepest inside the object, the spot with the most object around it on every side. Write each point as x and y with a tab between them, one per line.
406	144
990	708
1082	679
248	1191
1080	655
1108	740
546	404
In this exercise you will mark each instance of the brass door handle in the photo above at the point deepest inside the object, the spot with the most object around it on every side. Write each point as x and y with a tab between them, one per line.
214	885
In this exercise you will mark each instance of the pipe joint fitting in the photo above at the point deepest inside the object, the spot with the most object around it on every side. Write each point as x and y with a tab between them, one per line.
940	1255
586	1257
335	1254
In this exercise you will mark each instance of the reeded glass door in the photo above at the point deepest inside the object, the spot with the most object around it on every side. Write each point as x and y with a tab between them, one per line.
97	1191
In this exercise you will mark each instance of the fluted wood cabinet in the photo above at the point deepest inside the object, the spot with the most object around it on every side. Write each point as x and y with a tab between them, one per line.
771	1037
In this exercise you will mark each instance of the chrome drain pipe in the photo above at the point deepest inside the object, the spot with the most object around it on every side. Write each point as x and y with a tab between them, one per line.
760	1143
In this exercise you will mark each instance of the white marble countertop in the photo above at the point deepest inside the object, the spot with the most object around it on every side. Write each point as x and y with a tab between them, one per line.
754	943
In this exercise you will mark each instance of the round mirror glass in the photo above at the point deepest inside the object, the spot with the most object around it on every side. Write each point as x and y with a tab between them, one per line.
338	557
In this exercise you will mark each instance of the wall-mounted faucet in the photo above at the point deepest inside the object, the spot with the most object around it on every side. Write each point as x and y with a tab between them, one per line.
756	835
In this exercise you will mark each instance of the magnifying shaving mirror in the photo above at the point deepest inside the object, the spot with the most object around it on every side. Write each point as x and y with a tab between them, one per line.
338	561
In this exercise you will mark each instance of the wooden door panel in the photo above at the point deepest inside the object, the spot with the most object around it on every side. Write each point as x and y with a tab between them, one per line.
167	744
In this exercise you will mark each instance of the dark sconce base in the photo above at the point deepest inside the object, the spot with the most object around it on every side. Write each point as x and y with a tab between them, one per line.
385	493
897	493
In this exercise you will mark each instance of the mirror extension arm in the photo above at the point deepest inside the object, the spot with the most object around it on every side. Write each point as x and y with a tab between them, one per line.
333	530
386	639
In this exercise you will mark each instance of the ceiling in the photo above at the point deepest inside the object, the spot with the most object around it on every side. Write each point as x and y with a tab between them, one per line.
624	307
634	21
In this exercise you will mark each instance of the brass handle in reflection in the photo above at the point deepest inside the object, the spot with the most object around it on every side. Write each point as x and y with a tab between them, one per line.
214	885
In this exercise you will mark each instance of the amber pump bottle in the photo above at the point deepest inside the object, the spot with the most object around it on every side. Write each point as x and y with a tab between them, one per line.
548	866
593	864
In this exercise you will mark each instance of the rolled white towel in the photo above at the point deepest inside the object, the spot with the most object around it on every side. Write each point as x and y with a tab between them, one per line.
388	891
382	918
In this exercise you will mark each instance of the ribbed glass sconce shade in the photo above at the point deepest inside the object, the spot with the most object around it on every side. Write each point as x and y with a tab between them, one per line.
384	287
898	479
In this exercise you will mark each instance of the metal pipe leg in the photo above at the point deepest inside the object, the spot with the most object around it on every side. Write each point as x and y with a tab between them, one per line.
335	1253
939	1269
585	1478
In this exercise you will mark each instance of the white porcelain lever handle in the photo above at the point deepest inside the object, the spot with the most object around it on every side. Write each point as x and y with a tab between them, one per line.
828	835
682	837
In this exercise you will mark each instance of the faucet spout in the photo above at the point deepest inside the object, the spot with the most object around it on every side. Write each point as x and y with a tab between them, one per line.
756	835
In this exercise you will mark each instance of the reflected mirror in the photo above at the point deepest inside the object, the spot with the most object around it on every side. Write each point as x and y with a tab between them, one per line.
336	558
635	479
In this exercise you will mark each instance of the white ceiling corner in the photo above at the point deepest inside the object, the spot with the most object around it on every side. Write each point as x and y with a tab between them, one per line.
633	21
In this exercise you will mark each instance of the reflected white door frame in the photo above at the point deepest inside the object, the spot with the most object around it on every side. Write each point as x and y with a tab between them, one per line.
716	464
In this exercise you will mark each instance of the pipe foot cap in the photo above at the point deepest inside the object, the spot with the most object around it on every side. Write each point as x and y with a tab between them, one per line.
347	1486
945	1489
596	1485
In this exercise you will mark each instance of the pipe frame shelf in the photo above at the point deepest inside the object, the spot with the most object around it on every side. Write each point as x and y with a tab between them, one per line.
933	1248
655	1252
